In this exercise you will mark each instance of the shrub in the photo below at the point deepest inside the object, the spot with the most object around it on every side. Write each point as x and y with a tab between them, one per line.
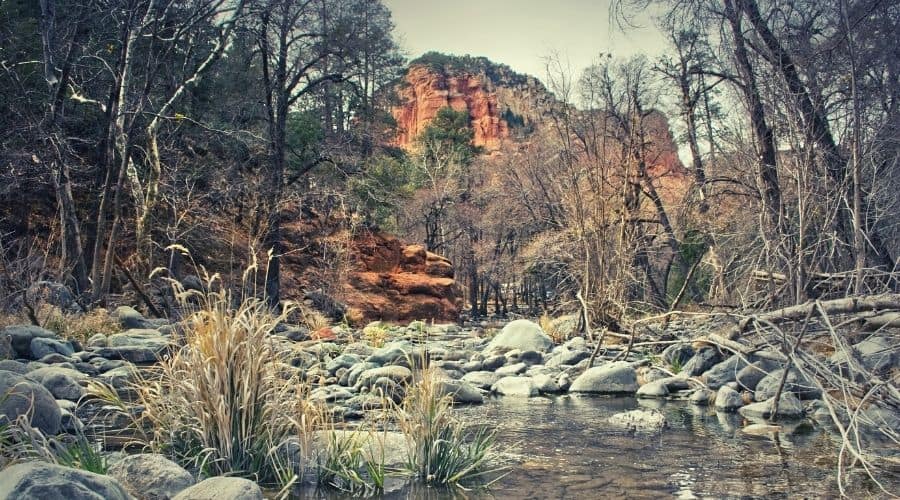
223	402
441	449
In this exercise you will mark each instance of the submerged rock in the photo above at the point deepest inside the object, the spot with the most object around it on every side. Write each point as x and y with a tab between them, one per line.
639	420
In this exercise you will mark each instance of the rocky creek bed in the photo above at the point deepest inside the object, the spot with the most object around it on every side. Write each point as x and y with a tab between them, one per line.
685	421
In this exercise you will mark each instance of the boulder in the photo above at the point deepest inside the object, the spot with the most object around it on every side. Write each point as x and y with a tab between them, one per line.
702	397
44	481
41	347
342	361
61	382
547	383
14	366
702	360
481	379
515	369
150	476
398	374
6	349
724	372
21	396
610	378
639	421
129	318
728	399
788	407
795	383
566	356
22	335
523	335
750	375
655	389
462	392
515	386
677	354
222	488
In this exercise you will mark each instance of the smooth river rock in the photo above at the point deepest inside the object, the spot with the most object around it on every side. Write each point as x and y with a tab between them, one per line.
610	378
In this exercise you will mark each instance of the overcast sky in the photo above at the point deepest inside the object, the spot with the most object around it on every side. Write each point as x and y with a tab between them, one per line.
519	33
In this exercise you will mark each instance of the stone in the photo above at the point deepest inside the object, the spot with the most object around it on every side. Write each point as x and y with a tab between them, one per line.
119	378
21	336
52	293
728	399
724	372
342	361
788	407
61	382
331	393
610	378
566	356
6	349
391	353
461	392
879	354
655	389
352	375
677	354
639	421
547	383
222	488
399	374
44	481
702	360
41	347
132	354
795	383
27	397
702	397
481	379
151	476
492	363
14	366
516	369
129	318
531	357
749	376
520	334
69	423
761	429
515	386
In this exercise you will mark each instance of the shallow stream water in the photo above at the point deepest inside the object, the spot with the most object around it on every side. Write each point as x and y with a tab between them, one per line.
560	447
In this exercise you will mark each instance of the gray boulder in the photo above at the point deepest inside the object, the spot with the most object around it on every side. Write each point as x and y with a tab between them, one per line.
461	392
611	378
677	354
516	369
702	397
26	397
41	347
566	356
481	379
398	374
728	399
61	382
14	366
788	407
724	372
342	361
222	488
750	375
151	476
44	481
702	360
547	383
795	383
523	335
129	318
21	335
515	386
52	293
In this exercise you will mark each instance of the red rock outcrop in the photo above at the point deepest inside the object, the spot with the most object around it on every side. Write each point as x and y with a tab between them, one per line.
425	91
393	281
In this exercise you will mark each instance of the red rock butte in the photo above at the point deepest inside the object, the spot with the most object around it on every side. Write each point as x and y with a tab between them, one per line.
426	91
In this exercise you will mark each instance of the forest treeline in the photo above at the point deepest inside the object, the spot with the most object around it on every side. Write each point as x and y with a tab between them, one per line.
133	125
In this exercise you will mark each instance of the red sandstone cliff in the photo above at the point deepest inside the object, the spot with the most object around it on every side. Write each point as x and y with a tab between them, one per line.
425	91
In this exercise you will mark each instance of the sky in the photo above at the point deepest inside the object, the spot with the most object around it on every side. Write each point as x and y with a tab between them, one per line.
520	33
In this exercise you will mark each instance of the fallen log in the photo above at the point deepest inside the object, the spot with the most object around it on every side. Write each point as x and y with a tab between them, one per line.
847	305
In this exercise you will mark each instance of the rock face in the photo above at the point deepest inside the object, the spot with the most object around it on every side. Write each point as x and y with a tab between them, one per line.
426	90
396	282
43	481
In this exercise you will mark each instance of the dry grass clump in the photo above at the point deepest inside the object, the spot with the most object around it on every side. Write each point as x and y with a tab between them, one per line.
441	449
375	334
354	316
224	402
314	320
551	328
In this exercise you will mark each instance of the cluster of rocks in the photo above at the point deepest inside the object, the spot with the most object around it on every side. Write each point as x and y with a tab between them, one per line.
44	378
145	476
